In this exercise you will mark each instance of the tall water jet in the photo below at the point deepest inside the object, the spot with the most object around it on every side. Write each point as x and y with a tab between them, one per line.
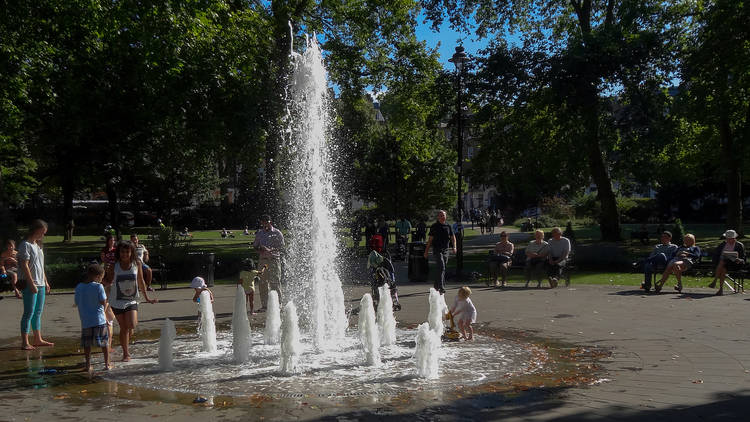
438	309
168	334
427	353
291	348
368	330
240	328
311	257
386	320
272	333
207	327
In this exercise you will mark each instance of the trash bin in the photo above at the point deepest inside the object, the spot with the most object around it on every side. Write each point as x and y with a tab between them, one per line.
203	264
418	268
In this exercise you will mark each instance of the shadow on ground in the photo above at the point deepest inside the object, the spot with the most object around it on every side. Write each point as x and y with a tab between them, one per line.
543	402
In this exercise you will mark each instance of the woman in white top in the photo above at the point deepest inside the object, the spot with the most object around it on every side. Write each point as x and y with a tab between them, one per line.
125	279
31	273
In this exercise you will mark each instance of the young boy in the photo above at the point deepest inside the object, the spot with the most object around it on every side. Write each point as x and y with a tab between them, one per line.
91	300
199	284
248	275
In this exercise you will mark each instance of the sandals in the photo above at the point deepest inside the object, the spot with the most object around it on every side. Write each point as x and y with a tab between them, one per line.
678	288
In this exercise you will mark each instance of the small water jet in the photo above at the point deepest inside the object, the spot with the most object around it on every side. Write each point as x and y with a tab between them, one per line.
427	353
168	334
240	328
271	334
207	327
368	330
291	348
438	309
386	320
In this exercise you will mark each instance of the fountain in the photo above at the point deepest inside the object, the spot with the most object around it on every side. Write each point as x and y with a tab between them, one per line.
428	351
386	320
168	334
313	355
240	327
368	331
311	272
207	326
438	309
291	348
271	333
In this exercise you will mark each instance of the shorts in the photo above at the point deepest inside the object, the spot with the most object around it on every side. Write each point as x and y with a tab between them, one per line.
133	307
97	336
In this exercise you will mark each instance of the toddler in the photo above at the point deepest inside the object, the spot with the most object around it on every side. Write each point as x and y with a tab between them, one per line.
9	266
199	284
464	312
91	299
248	276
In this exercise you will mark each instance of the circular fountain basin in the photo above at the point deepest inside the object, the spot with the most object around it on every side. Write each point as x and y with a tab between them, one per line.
340	372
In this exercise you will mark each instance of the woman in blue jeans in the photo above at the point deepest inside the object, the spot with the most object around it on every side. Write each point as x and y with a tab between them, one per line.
31	271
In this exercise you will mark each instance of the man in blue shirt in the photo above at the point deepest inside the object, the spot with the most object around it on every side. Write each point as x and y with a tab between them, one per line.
662	253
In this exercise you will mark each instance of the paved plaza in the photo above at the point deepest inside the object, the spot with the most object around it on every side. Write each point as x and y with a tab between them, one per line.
673	357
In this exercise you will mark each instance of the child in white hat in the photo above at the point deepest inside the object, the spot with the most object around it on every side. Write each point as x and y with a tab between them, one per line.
199	284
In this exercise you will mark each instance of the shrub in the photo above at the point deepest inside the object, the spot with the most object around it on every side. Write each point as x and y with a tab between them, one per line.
586	205
557	208
678	231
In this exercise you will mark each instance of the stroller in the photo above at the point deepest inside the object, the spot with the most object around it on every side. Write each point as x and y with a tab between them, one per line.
381	273
400	253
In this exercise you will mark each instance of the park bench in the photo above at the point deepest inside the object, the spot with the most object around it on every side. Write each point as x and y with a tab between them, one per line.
518	263
735	280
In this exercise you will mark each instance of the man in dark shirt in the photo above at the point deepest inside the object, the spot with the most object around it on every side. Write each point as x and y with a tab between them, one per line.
441	237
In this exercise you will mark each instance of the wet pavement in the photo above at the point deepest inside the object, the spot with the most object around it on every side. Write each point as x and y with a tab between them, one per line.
630	357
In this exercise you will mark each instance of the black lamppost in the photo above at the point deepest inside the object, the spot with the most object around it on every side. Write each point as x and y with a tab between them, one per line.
459	59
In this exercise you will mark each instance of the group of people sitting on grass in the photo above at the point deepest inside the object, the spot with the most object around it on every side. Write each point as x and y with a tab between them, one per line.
551	255
672	259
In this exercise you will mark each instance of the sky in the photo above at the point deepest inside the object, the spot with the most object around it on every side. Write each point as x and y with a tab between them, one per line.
446	41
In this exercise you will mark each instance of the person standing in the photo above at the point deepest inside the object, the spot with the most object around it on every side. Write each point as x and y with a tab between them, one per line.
69	231
125	280
36	286
141	253
440	237
269	242
403	227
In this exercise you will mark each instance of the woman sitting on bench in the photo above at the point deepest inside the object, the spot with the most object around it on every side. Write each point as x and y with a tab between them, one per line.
687	255
730	255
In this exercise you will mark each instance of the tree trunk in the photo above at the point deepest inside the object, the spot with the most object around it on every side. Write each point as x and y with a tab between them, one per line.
733	175
609	221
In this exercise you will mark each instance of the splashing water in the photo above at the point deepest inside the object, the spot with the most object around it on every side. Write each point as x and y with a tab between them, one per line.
386	320
291	348
240	328
168	334
311	272
207	327
272	332
427	353
368	331
438	308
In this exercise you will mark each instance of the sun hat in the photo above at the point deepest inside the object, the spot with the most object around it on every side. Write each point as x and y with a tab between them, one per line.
730	234
198	283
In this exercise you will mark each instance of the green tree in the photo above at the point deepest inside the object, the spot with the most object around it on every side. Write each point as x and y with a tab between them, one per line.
716	81
593	47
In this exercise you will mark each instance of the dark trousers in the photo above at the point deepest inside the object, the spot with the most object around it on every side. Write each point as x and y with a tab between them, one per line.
555	270
441	258
650	264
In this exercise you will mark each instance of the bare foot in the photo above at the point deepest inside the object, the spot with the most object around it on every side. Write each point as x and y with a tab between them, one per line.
108	367
126	358
27	347
43	343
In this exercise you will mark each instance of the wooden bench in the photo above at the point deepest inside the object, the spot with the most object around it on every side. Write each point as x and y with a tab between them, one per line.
518	262
735	280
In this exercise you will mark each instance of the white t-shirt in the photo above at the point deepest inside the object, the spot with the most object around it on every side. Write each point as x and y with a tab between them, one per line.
33	253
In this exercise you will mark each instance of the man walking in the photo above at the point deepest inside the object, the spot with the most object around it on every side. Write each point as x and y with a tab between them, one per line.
441	236
269	242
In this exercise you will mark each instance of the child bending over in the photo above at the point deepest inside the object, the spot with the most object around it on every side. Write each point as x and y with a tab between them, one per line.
464	312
